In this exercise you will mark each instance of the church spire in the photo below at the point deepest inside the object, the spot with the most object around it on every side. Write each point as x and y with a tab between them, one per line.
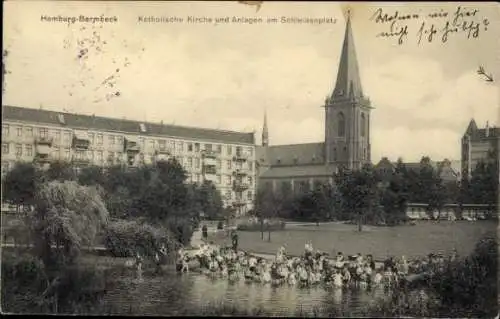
265	131
348	80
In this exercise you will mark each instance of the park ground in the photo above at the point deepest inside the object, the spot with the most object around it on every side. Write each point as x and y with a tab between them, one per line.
411	241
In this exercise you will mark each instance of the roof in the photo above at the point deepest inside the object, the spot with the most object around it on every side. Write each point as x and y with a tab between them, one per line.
293	154
348	79
299	171
121	125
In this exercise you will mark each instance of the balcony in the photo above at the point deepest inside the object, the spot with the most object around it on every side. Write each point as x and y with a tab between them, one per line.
80	161
239	203
210	169
239	173
163	151
44	140
209	154
80	142
240	157
130	146
42	158
240	186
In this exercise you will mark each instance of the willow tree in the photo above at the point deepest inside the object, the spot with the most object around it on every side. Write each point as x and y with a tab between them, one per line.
67	216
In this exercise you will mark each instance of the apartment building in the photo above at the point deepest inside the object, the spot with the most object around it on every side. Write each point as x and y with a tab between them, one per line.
224	157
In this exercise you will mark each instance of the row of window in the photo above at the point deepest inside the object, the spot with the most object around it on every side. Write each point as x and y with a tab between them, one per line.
85	154
227	179
98	139
286	187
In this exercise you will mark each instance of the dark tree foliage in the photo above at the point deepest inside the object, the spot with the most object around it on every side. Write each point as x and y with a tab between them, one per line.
60	171
20	184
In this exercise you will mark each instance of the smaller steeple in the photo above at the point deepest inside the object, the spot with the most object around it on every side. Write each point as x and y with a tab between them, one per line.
265	131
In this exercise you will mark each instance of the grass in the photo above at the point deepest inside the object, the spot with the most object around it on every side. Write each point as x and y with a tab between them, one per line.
410	241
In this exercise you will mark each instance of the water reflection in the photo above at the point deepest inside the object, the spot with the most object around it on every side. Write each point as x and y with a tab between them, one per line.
171	294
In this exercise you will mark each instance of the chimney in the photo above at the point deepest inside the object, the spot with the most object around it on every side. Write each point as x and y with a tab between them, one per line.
487	129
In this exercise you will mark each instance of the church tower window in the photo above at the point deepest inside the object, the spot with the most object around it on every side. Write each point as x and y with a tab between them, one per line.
341	124
363	124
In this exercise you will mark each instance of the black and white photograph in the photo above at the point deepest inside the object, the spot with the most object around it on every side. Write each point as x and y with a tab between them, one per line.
250	158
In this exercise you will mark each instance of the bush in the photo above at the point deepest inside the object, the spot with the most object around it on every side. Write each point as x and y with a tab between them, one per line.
220	225
255	225
182	230
124	238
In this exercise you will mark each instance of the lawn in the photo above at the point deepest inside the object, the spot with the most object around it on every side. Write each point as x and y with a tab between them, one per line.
410	241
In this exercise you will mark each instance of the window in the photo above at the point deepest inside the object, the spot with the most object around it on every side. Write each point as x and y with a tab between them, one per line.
66	154
60	117
19	131
228	163
19	149
5	167
198	178
228	195
196	147
142	127
227	179
99	155
250	151
5	148
162	145
249	180
363	124
91	137
239	151
170	145
219	164
196	163
43	132
179	146
55	152
250	195
99	139
111	139
119	156
29	150
219	179
5	130
334	154
190	162
229	150
66	138
151	144
341	124
119	140
218	149
190	147
208	147
239	165
250	165
58	136
29	131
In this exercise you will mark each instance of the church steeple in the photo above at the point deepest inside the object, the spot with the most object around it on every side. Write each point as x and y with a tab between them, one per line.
265	131
348	80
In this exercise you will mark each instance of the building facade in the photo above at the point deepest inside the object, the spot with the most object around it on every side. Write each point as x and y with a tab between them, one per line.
226	158
477	144
296	168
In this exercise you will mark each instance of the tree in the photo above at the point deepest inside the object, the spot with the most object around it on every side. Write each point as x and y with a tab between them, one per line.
20	184
267	206
359	191
483	184
60	171
210	200
67	216
91	175
394	198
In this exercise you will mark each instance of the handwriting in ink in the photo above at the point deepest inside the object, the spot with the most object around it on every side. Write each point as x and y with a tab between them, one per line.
440	14
429	33
380	17
395	31
471	28
459	14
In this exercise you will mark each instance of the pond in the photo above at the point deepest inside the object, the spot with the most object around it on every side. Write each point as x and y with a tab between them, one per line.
173	294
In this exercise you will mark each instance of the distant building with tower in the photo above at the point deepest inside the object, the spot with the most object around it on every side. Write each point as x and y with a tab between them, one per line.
477	143
297	167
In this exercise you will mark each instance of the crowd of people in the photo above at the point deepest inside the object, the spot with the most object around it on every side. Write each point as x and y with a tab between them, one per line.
312	268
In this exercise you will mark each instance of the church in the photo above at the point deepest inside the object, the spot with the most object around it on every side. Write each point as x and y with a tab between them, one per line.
297	168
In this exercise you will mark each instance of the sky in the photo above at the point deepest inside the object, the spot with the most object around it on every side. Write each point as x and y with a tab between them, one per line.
226	75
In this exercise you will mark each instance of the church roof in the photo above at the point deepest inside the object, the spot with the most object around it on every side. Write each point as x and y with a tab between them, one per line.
292	155
319	170
348	79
